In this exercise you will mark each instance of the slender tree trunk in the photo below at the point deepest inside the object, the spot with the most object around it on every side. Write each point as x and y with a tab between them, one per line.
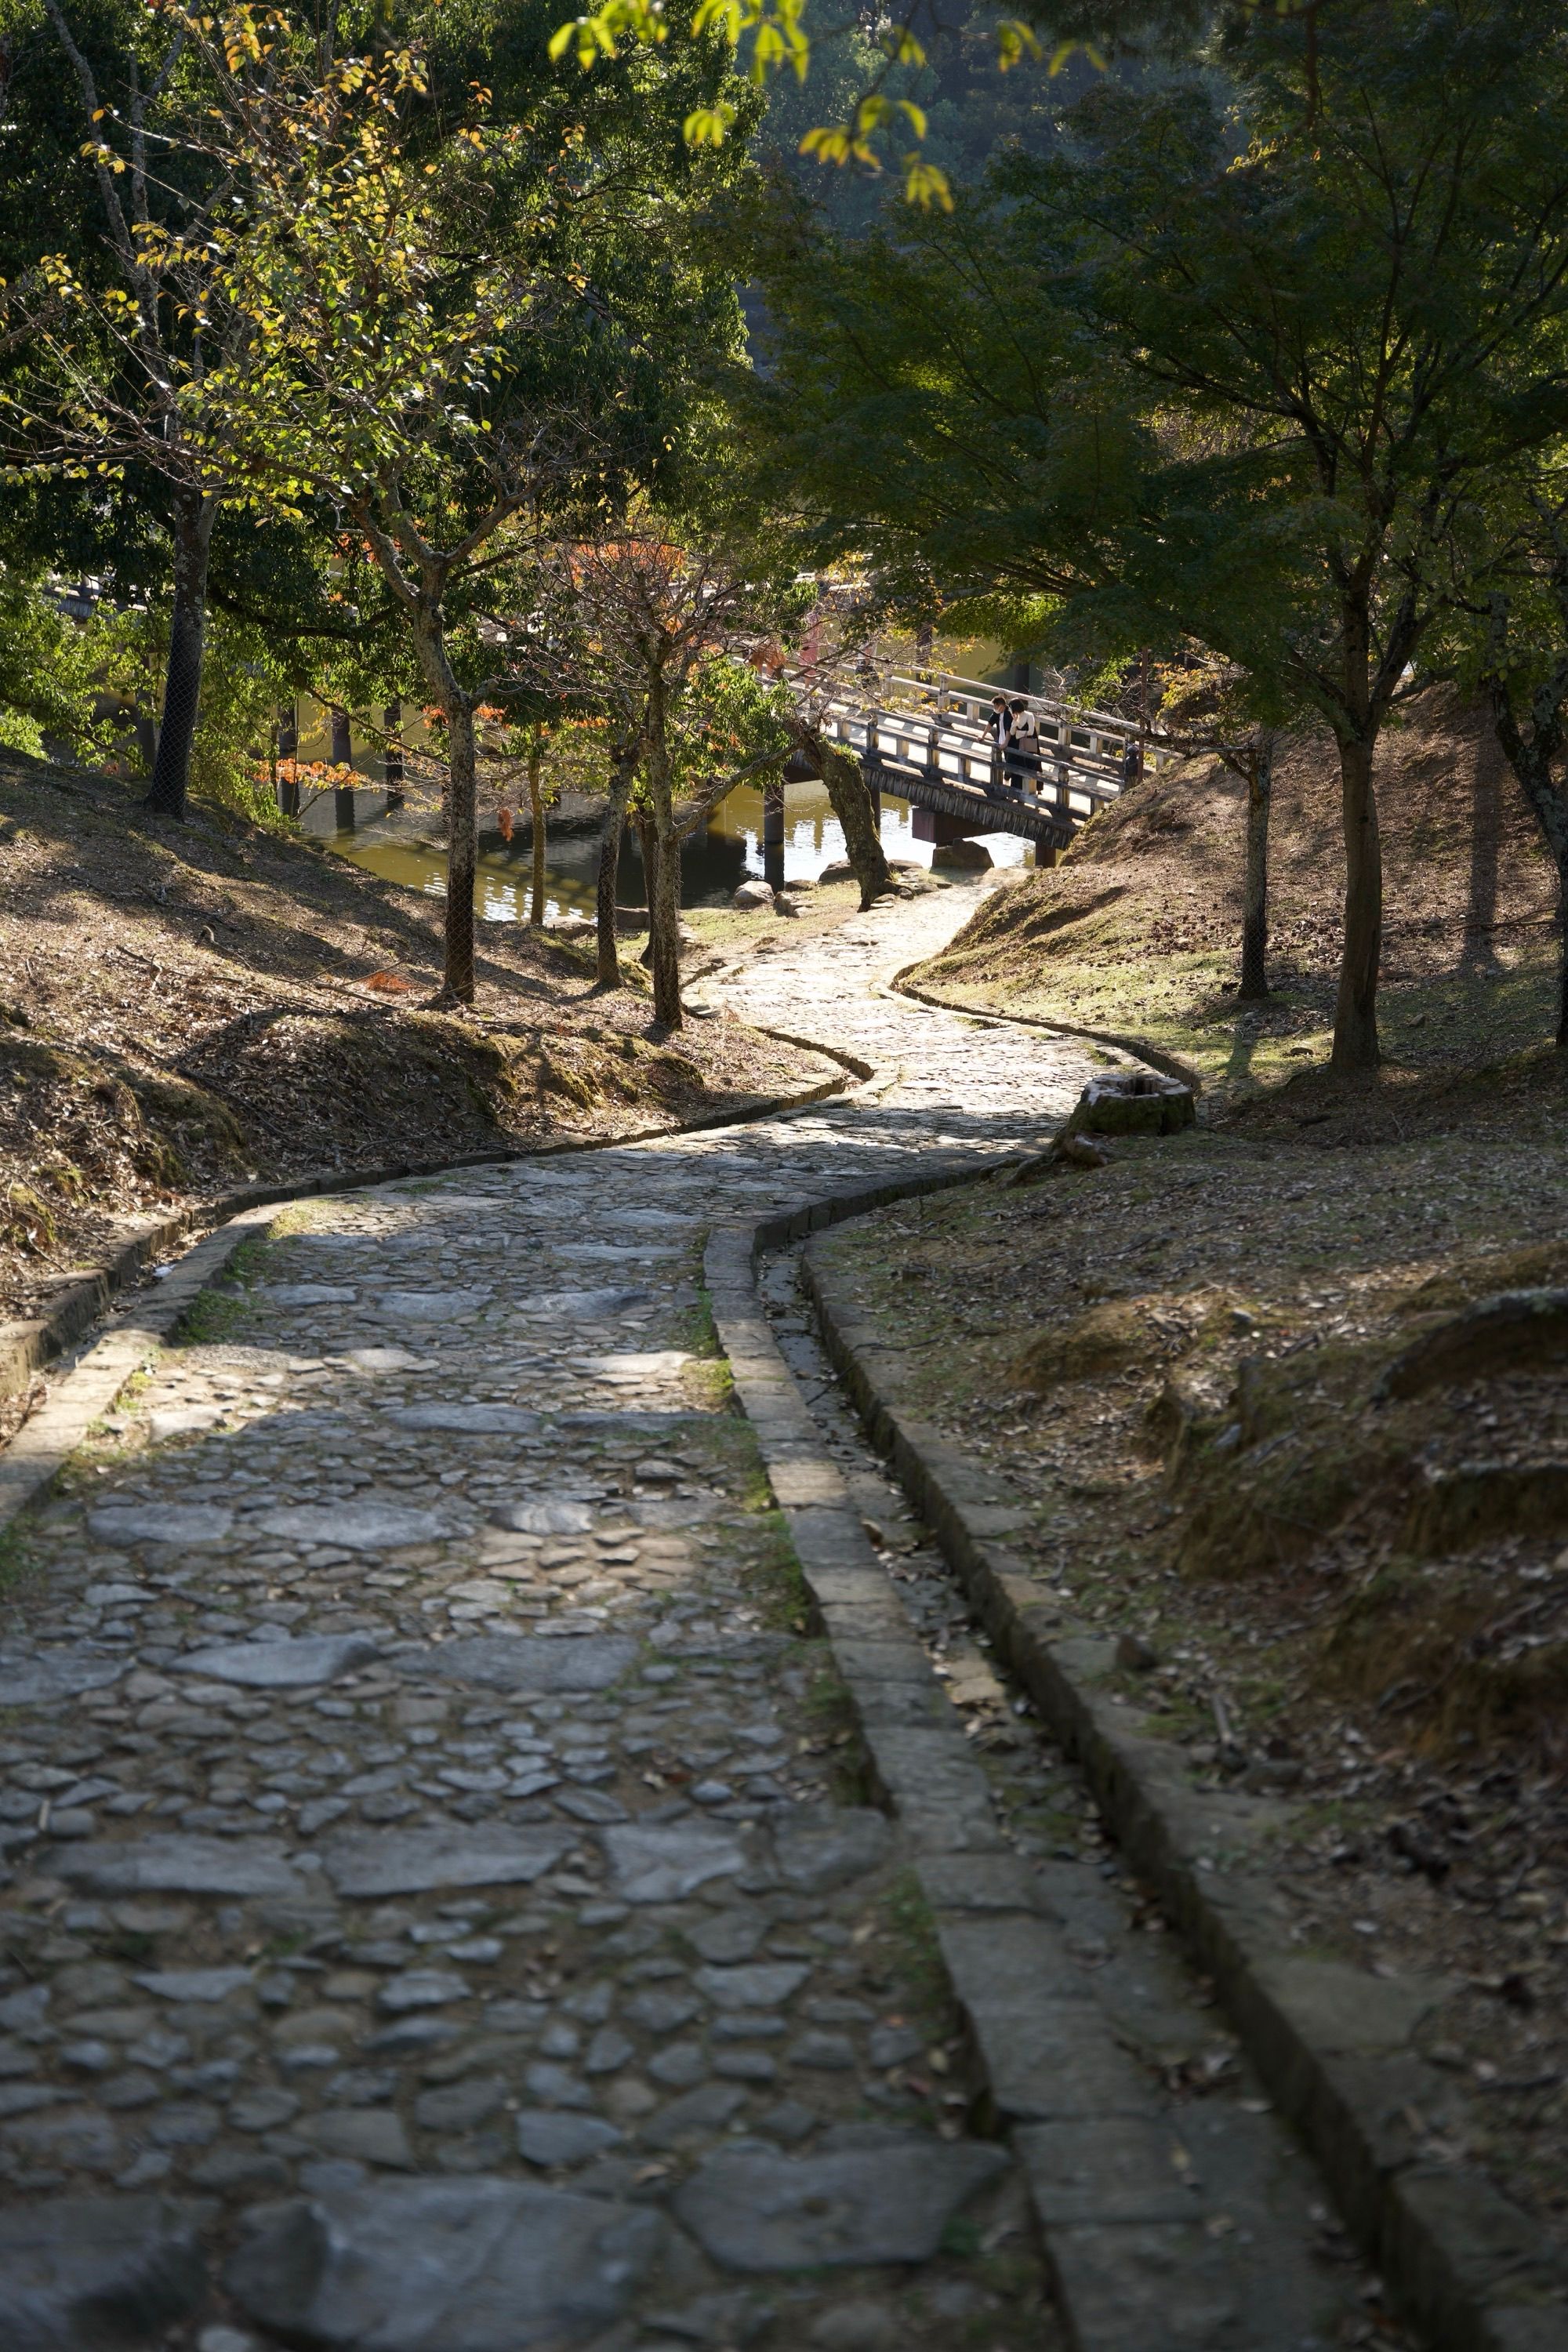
1255	910
661	870
194	518
852	806
289	757
608	942
1355	1015
664	888
342	757
664	913
462	854
623	768
647	849
536	810
461	803
1532	757
392	765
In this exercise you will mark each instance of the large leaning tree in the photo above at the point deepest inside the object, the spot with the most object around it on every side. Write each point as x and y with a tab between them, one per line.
1227	371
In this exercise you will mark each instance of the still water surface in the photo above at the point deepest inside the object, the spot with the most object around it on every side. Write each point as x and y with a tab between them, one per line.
715	862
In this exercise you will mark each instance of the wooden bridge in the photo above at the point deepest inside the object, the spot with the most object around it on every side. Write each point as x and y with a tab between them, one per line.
923	735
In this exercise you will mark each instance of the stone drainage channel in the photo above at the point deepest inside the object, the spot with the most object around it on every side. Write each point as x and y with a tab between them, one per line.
457	1899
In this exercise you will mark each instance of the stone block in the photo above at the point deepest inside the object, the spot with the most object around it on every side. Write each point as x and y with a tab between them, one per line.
470	2265
80	2272
1134	1102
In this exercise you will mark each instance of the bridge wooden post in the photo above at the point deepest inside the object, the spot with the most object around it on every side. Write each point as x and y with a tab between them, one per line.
774	835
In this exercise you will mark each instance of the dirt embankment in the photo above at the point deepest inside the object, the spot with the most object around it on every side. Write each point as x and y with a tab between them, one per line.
1287	1395
185	1009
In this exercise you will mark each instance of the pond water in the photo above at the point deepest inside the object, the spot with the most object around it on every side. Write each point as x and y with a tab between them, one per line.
399	846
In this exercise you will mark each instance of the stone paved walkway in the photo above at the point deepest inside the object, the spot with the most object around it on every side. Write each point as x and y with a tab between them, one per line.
440	1916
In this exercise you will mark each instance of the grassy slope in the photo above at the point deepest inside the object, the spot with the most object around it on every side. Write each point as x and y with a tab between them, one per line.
1175	1360
185	1008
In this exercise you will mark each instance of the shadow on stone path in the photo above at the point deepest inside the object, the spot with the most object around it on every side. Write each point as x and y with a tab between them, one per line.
440	1913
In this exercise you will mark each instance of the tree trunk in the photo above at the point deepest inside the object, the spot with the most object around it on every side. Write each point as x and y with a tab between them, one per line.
392	766
462	837
647	849
661	865
664	883
343	737
664	920
1255	910
1532	757
194	518
608	942
1355	1015
623	767
462	854
289	758
852	806
536	810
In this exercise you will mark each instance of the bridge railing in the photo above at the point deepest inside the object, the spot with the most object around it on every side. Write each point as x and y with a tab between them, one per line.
914	758
940	722
1100	737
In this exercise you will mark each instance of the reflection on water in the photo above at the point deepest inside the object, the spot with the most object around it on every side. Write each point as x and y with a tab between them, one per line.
714	862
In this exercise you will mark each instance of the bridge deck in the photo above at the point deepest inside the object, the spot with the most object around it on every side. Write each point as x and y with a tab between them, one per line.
1036	817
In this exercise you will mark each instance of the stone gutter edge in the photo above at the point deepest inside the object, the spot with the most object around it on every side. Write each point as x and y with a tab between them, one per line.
1470	2266
1140	1048
999	1948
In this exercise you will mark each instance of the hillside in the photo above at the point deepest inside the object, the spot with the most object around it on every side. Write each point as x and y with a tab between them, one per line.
185	1009
1137	931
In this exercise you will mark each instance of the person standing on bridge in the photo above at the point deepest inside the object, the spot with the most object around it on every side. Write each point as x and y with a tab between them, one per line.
1023	746
998	727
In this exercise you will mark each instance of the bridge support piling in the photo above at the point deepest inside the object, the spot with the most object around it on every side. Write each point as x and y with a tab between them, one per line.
935	824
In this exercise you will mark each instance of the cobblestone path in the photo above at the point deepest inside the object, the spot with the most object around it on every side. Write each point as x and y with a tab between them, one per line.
439	1912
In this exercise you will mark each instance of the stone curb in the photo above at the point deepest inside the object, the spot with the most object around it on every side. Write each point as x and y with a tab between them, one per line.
49	1436
1140	1048
26	1347
1334	2045
1132	2252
